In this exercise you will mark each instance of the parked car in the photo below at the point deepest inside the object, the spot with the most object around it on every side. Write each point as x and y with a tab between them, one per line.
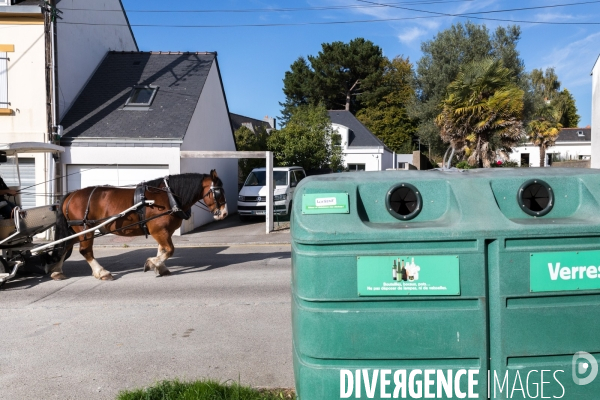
252	196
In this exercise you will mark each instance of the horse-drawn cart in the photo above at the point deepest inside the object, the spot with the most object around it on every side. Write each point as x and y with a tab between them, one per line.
154	208
17	233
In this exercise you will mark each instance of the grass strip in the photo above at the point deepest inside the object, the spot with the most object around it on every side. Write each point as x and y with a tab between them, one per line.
204	390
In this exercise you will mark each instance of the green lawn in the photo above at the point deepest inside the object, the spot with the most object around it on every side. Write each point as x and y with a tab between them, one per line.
204	390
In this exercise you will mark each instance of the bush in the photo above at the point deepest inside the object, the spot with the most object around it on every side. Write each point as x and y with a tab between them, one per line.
464	165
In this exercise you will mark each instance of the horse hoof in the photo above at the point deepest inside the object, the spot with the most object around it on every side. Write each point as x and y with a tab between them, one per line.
108	277
58	276
166	272
148	265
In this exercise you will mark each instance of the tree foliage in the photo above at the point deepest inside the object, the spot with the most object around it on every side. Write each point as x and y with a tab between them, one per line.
247	140
440	64
565	103
341	76
482	112
544	130
306	140
386	116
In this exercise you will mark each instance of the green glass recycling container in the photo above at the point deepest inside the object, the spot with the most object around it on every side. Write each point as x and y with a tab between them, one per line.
435	284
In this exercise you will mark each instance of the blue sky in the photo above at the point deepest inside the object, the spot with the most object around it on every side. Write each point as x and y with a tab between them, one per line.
253	60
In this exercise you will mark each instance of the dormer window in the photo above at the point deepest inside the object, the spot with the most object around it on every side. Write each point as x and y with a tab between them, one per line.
141	97
580	133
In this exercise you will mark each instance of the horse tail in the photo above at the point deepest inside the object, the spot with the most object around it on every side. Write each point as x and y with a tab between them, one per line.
62	230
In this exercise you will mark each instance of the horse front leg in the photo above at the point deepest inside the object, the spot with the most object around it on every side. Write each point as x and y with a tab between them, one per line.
87	251
165	250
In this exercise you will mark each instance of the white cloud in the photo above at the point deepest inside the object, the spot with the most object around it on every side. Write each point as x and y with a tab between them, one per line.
550	17
410	34
574	61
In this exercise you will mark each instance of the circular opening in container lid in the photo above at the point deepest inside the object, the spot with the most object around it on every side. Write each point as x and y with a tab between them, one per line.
536	197
404	201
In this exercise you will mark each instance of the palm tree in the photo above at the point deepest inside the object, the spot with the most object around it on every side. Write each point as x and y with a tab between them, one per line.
482	112
544	130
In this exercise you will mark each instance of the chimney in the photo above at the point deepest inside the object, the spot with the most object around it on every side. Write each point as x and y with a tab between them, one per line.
271	121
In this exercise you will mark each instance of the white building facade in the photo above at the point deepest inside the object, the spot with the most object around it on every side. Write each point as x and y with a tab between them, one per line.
362	150
108	143
32	100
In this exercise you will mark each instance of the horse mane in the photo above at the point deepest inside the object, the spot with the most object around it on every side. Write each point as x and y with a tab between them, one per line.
187	187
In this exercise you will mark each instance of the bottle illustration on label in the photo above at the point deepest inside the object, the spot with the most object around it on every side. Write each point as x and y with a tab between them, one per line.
412	270
405	272
399	270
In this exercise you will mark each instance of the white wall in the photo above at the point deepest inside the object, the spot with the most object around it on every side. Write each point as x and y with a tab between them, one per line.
371	157
596	115
27	94
81	47
210	129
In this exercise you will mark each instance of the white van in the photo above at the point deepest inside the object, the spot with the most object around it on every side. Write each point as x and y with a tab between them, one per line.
252	197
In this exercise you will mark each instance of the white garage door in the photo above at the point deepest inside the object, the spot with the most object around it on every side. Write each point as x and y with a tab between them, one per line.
81	176
8	172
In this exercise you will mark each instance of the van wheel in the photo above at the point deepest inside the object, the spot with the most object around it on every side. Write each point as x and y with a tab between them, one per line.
244	218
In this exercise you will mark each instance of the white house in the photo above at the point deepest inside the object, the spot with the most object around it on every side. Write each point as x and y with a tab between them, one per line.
33	97
571	144
596	115
362	150
135	115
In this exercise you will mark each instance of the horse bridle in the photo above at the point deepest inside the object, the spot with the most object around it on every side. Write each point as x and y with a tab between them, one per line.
216	191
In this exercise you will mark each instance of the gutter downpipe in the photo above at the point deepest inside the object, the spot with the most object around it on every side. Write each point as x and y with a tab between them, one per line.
50	162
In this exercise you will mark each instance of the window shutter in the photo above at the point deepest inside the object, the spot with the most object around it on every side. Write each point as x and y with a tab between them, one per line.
3	80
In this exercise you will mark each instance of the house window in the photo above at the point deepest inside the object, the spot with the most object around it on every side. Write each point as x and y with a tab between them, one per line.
336	139
141	97
356	167
580	133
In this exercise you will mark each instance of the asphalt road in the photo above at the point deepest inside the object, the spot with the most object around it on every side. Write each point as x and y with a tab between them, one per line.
223	314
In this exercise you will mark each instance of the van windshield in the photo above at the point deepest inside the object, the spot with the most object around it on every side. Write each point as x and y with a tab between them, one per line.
259	178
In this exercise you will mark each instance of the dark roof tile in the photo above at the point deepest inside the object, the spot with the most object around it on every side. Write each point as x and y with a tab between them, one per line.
98	111
573	135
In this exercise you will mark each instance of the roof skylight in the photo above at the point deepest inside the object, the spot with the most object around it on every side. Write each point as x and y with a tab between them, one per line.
141	96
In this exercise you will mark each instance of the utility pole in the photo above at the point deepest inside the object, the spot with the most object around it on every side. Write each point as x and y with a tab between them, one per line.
50	163
50	17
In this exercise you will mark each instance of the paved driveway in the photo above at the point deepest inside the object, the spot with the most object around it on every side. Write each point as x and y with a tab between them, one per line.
224	314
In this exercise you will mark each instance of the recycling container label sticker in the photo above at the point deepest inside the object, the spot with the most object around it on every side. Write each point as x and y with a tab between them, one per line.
405	275
561	271
325	203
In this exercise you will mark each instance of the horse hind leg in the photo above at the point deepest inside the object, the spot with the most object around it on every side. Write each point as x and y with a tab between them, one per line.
55	270
165	250
86	250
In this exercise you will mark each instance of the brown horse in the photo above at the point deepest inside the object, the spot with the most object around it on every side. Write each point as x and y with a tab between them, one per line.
85	208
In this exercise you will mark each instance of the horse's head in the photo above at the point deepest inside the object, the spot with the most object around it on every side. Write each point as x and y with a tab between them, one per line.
214	196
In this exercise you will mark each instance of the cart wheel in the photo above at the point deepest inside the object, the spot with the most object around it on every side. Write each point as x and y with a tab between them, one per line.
3	269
